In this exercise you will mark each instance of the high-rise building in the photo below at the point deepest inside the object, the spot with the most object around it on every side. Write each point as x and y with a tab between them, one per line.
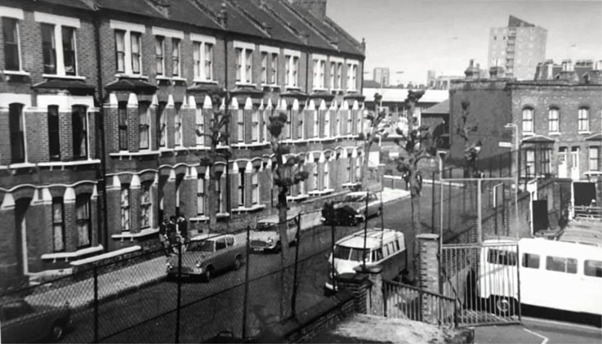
431	75
382	76
517	48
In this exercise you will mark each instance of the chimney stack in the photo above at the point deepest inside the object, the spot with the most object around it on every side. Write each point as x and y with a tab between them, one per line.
164	6
496	72
316	7
222	17
471	72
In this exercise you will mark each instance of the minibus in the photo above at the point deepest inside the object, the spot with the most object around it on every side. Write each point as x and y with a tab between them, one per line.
553	274
383	247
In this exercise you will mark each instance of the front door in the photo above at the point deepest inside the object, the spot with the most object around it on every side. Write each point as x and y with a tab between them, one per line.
575	163
562	163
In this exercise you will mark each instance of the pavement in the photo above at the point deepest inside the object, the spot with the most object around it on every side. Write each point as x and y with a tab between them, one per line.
128	279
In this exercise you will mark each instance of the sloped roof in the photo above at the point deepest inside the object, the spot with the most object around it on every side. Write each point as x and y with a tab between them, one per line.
184	11
140	7
288	14
261	14
237	21
81	4
516	22
398	95
440	108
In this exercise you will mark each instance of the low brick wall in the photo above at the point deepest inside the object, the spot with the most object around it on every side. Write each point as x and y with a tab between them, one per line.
312	321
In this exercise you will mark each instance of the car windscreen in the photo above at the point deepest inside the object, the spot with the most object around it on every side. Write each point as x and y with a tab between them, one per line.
355	198
348	253
201	246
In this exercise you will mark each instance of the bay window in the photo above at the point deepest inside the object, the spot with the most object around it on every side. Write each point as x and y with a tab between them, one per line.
175	57
58	225
145	205
54	138
144	126
125	208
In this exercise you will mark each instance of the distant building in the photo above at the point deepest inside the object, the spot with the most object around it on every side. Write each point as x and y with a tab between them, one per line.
557	118
382	76
431	75
442	82
517	48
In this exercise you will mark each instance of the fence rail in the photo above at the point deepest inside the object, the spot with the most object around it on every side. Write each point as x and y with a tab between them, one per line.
407	302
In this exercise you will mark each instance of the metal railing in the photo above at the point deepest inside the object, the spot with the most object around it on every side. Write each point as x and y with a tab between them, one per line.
407	302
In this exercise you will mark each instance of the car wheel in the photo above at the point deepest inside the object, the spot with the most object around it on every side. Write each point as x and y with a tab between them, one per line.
237	263
57	331
208	274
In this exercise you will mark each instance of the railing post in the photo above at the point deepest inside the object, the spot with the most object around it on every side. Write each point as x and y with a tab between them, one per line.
95	304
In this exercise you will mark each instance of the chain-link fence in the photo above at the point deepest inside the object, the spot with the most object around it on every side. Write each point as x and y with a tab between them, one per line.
166	295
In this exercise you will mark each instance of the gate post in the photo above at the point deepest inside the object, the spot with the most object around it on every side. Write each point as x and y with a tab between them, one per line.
428	274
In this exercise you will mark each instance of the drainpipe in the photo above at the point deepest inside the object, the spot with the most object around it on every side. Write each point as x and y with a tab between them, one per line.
101	130
227	102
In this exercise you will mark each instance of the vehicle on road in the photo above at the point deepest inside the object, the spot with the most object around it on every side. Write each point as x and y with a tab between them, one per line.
552	274
207	255
266	236
22	322
354	208
382	247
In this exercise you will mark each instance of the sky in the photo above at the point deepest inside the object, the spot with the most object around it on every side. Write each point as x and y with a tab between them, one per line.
411	37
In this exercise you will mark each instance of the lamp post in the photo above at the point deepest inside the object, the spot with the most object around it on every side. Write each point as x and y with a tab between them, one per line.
516	147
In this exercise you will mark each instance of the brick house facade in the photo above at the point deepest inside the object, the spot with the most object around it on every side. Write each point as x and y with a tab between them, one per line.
100	104
557	117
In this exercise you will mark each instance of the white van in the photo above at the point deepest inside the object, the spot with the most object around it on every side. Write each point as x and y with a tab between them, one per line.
266	236
384	247
552	274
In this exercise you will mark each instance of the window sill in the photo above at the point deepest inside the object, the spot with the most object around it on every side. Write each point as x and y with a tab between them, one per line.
292	88
16	72
204	218
245	84
68	77
297	198
70	255
178	79
585	132
250	145
132	236
350	185
554	133
319	89
130	76
271	85
129	155
200	81
254	208
64	164
321	192
528	133
106	255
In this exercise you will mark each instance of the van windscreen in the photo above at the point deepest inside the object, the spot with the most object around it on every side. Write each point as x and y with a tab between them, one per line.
348	253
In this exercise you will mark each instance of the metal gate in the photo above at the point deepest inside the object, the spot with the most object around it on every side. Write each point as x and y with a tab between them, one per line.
484	279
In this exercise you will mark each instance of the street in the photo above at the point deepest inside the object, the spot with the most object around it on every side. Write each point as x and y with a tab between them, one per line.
148	314
536	331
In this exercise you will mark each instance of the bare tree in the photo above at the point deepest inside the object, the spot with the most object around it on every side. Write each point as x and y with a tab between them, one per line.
471	149
370	134
285	175
217	133
417	143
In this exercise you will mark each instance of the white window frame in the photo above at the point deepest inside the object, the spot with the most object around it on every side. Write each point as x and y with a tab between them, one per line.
319	68
59	22
255	187
264	68
146	114
162	38
200	126
246	76
269	53
326	176
527	123
176	55
201	190
583	119
335	84
594	159
291	59
200	71
17	15
146	207
125	210
240	117
352	70
554	121
255	123
128	28
178	130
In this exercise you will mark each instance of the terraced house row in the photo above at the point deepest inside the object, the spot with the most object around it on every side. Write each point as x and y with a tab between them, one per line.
102	103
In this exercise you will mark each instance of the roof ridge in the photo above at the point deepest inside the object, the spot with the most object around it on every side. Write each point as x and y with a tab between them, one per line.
310	24
251	18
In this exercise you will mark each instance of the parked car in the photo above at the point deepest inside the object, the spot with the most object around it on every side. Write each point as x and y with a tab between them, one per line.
352	209
206	255
266	236
23	323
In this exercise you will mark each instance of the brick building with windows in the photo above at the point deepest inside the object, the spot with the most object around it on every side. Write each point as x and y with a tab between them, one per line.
557	117
101	102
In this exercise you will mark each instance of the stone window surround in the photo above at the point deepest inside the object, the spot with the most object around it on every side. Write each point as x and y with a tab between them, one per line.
59	22
128	28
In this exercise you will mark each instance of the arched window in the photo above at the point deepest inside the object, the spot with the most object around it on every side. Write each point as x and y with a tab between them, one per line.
527	120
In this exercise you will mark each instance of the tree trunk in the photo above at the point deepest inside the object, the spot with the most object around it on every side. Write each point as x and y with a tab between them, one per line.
365	164
415	196
213	196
